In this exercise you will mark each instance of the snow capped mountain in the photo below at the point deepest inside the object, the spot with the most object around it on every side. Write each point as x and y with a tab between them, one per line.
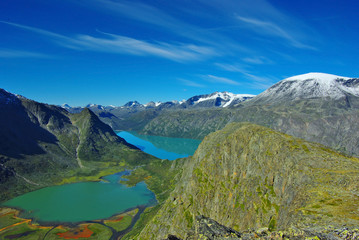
91	106
66	106
218	99
133	104
152	104
310	85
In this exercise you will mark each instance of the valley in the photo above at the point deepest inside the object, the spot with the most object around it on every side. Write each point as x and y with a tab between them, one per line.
282	163
69	207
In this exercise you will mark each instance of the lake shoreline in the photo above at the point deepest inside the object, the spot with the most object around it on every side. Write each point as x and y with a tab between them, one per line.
53	225
69	224
22	212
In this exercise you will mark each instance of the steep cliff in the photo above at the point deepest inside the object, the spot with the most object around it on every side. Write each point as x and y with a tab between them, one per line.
249	177
41	144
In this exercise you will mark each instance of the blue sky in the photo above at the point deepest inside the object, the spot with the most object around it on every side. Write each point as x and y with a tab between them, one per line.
113	51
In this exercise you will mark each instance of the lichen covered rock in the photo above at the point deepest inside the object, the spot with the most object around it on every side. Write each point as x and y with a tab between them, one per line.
251	177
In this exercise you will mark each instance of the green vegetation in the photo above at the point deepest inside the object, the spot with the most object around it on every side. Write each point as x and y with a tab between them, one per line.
120	225
318	120
8	217
66	148
122	221
159	176
248	176
99	232
145	218
24	231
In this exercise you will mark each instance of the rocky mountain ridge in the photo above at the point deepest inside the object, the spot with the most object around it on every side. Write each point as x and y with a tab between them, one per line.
328	120
40	144
208	229
134	115
216	99
251	177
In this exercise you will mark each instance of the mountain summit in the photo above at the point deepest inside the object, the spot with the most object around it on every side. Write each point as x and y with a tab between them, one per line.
42	144
310	85
218	99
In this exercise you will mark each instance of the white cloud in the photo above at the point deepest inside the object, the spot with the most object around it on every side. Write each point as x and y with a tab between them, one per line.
113	43
271	28
121	44
258	82
191	83
216	79
10	53
231	67
257	60
155	17
238	21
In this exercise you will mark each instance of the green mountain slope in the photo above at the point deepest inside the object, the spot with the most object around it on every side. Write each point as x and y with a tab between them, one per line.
41	144
249	177
334	123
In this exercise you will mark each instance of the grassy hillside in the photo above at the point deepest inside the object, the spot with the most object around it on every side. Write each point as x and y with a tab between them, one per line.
249	177
42	145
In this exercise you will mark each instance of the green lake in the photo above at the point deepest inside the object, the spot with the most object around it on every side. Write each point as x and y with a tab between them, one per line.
86	201
83	201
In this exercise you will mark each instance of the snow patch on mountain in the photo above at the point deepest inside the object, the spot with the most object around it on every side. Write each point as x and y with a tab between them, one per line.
226	98
311	85
324	77
66	106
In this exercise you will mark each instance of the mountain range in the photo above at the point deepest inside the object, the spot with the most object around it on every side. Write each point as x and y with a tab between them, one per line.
42	144
317	107
216	99
120	117
267	167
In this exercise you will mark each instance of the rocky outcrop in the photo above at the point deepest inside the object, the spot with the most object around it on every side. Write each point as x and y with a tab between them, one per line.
208	229
251	177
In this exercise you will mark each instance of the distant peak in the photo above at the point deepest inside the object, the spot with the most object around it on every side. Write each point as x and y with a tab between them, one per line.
317	75
132	104
65	105
7	97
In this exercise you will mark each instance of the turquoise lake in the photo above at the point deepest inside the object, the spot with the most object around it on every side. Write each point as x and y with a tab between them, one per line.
87	201
83	201
162	147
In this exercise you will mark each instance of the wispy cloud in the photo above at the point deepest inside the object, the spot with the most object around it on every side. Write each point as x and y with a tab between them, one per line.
257	60
259	82
191	83
216	79
228	37
155	17
112	43
10	53
271	28
38	30
264	19
121	44
231	67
